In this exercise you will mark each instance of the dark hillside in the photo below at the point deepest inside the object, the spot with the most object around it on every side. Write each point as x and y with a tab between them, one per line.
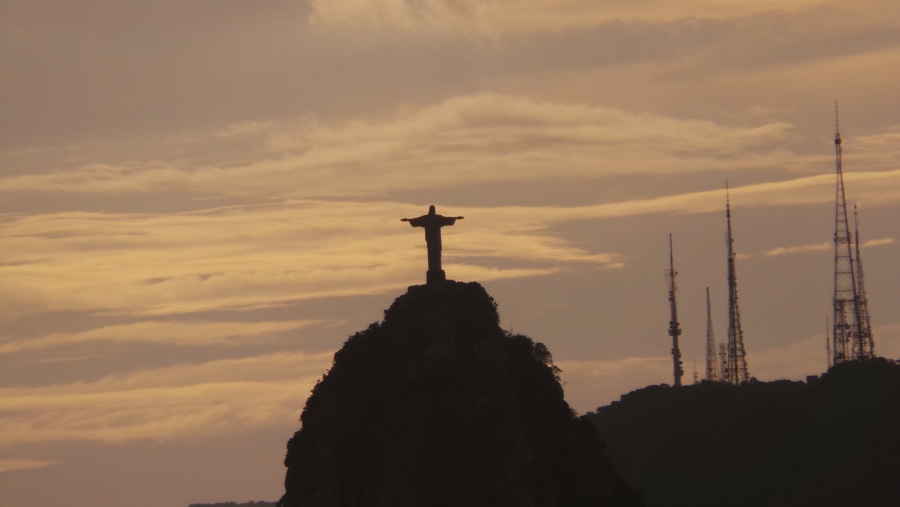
232	504
438	406
832	442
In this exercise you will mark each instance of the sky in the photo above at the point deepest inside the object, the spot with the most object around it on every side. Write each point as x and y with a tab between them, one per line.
200	201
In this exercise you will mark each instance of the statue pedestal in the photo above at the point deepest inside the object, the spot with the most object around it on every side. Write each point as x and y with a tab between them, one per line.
436	276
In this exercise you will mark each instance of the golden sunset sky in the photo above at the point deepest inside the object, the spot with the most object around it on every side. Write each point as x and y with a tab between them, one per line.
200	201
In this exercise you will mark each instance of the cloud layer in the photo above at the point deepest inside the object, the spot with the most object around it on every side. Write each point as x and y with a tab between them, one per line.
179	401
473	139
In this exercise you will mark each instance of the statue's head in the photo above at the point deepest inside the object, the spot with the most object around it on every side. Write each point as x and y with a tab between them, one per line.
431	210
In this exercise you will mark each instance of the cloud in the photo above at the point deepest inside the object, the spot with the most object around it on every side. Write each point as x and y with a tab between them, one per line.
219	259
573	13
790	250
472	17
469	140
688	38
877	242
877	187
474	139
479	139
425	17
180	401
818	247
14	464
245	257
53	92
168	332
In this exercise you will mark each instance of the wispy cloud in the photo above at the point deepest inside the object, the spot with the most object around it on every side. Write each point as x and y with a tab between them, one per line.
817	247
473	139
180	401
168	332
14	464
473	17
790	250
526	15
478	139
877	242
228	396
253	256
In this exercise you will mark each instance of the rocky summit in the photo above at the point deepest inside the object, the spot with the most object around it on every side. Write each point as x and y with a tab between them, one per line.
438	406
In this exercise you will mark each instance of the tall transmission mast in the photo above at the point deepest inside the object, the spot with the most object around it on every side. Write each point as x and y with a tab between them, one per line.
674	330
735	371
865	346
723	360
712	365
847	330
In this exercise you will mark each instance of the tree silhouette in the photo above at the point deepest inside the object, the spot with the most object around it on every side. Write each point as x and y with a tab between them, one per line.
829	442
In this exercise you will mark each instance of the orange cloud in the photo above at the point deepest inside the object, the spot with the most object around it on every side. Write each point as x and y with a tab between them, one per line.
245	257
477	138
14	464
789	250
171	332
180	401
877	242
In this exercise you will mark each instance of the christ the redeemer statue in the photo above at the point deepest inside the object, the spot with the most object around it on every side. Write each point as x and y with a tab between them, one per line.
432	223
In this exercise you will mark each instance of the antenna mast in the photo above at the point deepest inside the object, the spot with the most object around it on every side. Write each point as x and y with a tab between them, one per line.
723	360
866	344
674	330
847	332
735	371
712	365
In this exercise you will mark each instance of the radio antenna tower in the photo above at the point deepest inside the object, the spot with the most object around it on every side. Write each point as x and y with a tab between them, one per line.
828	343
723	360
712	364
866	342
735	371
674	330
847	332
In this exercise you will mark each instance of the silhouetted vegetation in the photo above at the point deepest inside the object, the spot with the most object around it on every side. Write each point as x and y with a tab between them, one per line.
232	504
831	442
438	406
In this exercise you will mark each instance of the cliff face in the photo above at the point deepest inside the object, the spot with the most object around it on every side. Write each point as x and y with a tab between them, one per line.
437	405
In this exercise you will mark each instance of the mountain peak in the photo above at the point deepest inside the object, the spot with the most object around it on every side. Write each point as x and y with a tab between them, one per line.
437	405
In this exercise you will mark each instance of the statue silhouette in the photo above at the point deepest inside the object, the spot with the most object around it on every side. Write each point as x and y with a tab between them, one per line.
432	224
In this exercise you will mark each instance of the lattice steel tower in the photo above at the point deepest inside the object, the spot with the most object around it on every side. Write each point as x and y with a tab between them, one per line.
712	364
735	371
867	341
723	360
852	338
674	329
